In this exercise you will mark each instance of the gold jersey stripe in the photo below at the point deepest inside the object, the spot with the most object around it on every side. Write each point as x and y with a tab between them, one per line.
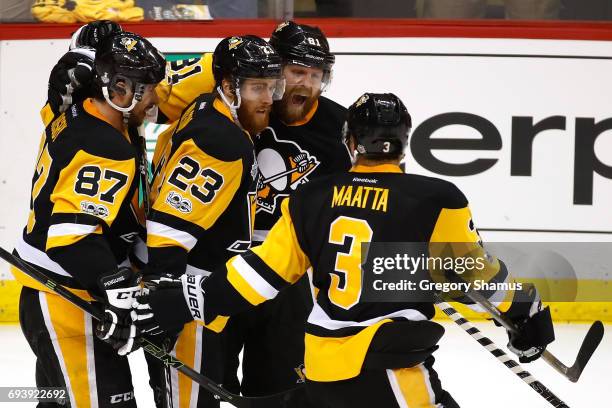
338	358
46	114
282	239
188	349
68	239
69	324
415	387
243	287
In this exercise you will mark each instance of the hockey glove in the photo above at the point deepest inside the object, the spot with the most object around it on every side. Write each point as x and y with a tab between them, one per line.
116	328
92	34
70	79
535	328
168	303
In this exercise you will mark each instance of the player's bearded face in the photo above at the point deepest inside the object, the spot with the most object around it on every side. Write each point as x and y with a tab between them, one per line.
256	103
303	88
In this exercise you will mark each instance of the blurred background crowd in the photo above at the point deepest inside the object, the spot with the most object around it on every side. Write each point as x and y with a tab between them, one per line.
72	11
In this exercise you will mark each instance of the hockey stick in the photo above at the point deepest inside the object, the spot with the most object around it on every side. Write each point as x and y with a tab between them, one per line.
587	348
280	400
499	354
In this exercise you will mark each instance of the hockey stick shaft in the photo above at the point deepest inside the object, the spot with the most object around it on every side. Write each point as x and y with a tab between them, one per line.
147	345
499	354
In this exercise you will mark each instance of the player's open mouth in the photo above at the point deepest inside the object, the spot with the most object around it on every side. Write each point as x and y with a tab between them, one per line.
298	99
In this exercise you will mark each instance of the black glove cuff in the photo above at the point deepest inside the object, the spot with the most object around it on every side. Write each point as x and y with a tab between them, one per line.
170	309
538	329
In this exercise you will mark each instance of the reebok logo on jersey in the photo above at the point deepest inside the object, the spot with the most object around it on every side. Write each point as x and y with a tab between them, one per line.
97	210
177	201
365	180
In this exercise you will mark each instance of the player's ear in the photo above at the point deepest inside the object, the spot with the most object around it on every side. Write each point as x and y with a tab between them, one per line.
351	143
120	87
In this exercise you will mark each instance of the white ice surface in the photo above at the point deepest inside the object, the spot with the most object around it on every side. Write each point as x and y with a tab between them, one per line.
473	376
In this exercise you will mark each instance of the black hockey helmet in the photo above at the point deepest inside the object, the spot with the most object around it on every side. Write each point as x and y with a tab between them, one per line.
380	124
302	44
245	56
130	56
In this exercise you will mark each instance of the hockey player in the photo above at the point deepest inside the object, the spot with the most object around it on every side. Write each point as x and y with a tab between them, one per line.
358	354
302	142
84	211
203	194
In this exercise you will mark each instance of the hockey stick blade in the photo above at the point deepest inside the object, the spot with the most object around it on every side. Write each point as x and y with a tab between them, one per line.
284	399
587	349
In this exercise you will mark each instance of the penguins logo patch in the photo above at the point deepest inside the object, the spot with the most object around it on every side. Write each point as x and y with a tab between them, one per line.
128	43
283	166
234	42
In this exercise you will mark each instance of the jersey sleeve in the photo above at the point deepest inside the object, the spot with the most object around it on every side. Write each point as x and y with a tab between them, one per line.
194	190
185	81
259	274
455	236
86	199
46	114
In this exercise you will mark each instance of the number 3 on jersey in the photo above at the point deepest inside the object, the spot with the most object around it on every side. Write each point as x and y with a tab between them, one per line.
345	287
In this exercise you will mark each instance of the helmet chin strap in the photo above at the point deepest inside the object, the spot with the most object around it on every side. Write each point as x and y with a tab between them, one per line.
233	108
127	110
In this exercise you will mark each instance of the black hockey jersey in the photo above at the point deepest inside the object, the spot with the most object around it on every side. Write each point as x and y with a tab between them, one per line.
323	226
84	212
291	155
203	193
